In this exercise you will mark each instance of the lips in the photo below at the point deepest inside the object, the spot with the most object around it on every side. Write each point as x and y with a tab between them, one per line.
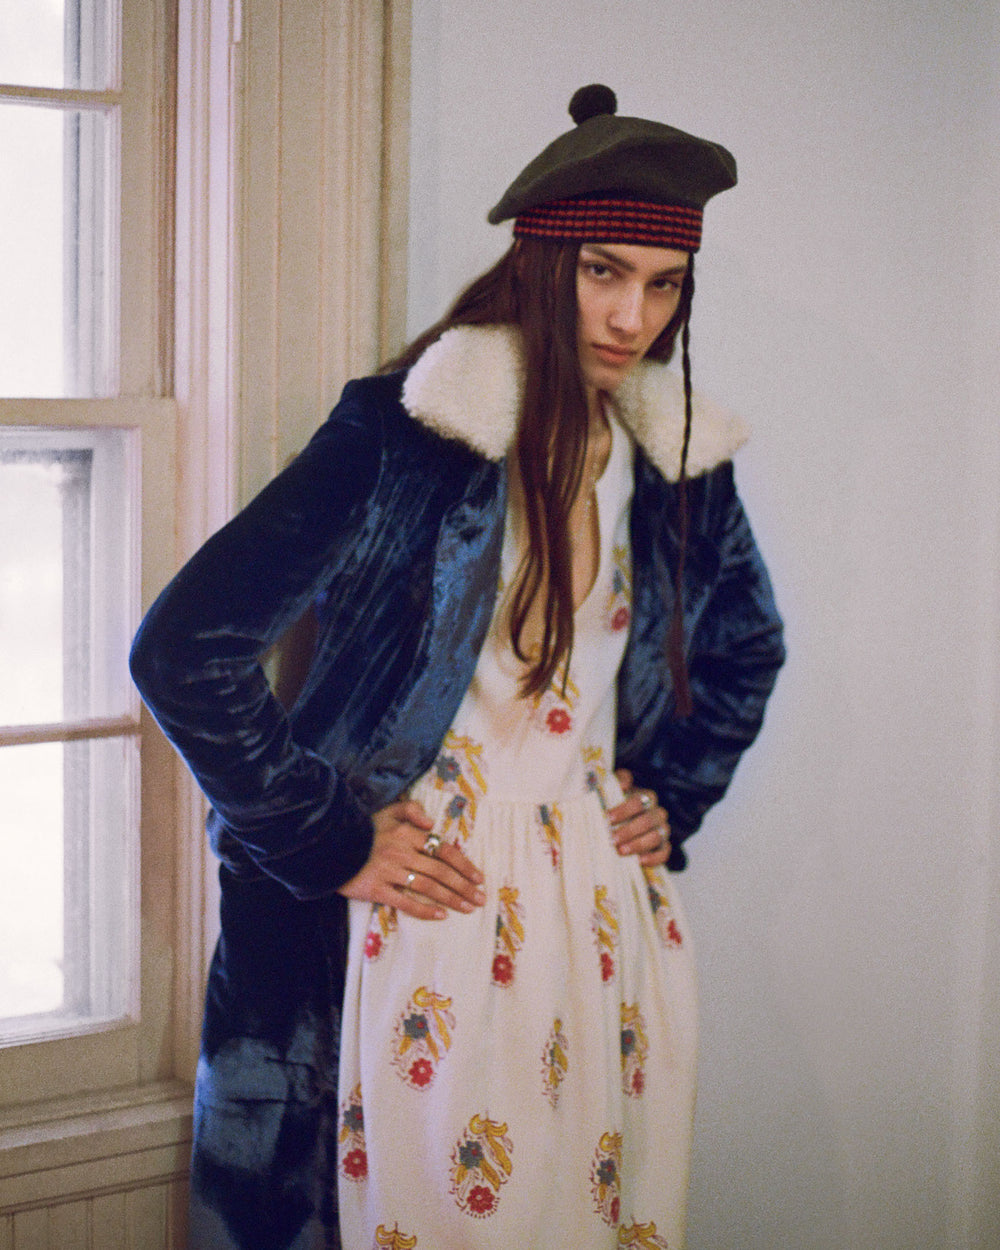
613	355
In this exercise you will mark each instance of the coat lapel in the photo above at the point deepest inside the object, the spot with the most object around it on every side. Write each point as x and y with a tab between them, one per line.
460	608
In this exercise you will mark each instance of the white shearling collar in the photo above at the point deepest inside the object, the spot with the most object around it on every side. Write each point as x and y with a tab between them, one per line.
468	385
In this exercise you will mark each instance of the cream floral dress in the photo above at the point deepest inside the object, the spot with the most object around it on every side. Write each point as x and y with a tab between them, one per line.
524	1077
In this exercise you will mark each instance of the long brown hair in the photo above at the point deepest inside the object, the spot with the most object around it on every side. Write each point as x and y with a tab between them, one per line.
533	286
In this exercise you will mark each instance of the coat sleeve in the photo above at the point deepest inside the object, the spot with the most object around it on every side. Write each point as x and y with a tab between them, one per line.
197	659
734	653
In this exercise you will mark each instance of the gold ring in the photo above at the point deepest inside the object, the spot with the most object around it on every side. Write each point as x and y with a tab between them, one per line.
431	844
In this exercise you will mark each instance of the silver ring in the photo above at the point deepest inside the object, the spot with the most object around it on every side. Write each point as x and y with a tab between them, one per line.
410	878
646	800
431	844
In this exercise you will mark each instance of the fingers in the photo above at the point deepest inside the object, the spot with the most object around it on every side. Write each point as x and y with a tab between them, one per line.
640	827
641	805
409	811
411	869
402	873
624	779
447	878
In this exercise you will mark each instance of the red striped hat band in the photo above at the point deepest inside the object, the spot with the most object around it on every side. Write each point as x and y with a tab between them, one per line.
614	221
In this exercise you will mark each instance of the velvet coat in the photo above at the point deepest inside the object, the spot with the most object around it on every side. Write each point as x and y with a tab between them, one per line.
389	525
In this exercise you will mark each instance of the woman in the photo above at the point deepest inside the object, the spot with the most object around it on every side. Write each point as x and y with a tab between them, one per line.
542	624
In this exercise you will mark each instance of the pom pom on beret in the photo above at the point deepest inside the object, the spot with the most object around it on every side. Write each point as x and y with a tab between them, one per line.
588	102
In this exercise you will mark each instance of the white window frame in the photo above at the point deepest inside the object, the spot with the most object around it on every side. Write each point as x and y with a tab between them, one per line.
48	1069
99	499
63	1088
116	1106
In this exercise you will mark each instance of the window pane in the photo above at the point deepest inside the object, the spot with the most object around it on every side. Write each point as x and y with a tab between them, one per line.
58	43
68	583
31	589
56	256
68	810
67	885
31	880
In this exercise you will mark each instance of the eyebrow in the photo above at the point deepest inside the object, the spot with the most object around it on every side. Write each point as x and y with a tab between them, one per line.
670	271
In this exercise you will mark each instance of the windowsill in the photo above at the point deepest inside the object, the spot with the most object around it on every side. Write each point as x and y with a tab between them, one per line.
52	1151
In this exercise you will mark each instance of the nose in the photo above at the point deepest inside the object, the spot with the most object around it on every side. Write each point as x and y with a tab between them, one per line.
627	312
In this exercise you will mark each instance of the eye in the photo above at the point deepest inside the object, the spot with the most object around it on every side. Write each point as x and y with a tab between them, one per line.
597	269
666	283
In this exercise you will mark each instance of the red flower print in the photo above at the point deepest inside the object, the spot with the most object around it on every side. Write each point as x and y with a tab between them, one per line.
638	1081
355	1165
481	1200
674	934
620	619
607	966
503	969
558	720
615	1209
373	945
421	1073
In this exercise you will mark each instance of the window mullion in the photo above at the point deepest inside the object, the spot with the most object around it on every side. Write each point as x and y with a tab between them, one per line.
69	731
59	97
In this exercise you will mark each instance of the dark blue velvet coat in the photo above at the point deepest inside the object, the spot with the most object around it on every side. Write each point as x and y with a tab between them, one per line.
392	533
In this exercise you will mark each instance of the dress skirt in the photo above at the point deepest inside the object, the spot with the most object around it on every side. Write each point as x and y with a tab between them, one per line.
524	1076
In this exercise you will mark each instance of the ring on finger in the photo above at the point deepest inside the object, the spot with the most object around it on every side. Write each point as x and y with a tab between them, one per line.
410	878
646	799
431	844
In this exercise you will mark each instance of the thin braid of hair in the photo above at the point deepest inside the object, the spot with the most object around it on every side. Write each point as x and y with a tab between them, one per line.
675	640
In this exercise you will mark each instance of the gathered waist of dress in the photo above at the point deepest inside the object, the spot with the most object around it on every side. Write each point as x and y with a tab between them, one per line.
463	771
461	810
465	786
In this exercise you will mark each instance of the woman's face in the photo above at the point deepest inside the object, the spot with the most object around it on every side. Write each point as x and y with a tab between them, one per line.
626	295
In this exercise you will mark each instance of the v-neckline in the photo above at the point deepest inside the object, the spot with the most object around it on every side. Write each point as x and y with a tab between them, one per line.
600	509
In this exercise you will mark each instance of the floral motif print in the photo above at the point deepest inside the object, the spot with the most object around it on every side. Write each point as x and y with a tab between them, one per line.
354	1165
502	970
392	1239
481	1200
605	1178
552	709
604	926
351	1137
481	1163
421	1073
618	612
555	1062
550	829
635	1048
383	922
459	771
663	914
596	772
510	936
641	1237
422	1037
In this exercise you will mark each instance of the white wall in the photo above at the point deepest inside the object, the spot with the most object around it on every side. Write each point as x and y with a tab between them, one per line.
847	304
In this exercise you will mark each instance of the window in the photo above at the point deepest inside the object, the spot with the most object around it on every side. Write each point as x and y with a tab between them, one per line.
86	485
103	1015
60	131
68	726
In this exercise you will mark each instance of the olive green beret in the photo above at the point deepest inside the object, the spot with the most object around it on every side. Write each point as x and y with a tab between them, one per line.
628	179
